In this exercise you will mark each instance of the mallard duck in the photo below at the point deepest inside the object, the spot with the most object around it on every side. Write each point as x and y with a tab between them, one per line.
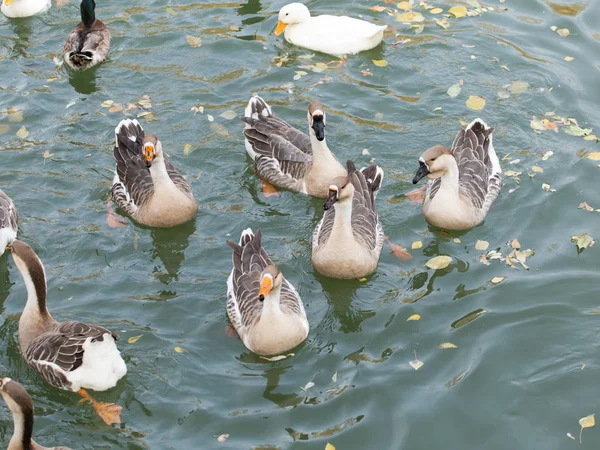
9	220
463	181
286	157
24	8
20	404
89	42
146	185
73	356
347	242
263	307
334	35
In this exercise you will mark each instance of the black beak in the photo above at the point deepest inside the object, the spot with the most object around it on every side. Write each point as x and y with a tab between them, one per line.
148	164
422	172
261	297
319	127
331	199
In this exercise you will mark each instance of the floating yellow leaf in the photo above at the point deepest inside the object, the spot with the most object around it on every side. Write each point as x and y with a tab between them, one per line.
439	262
482	245
47	154
405	6
445	345
51	79
537	169
378	8
414	317
380	62
569	58
116	108
180	350
456	240
194	41
595	156
563	32
547	155
590	137
436	10
22	133
362	280
586	422
546	187
187	149
476	102
134	339
583	241
458	11
444	24
416	244
222	438
107	103
410	16
416	364
15	115
454	90
329	446
497	280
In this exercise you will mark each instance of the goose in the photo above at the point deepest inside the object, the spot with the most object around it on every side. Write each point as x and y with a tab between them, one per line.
20	404
72	356
24	8
263	307
347	242
146	185
286	157
9	220
89	42
463	181
334	35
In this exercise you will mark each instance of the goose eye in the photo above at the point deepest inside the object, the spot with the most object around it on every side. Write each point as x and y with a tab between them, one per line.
432	159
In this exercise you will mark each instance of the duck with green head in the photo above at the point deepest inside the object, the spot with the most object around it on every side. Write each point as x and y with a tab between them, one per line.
89	42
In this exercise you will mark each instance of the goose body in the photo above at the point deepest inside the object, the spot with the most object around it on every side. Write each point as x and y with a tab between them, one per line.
463	181
347	242
9	220
24	8
263	307
146	185
334	35
286	157
20	404
89	42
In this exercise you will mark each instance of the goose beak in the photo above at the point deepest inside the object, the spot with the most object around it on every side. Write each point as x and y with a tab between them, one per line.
8	2
422	172
8	247
319	127
266	284
148	155
280	27
331	198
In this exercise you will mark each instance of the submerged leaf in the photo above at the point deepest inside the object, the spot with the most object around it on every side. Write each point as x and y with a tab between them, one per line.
179	350
454	90
133	339
194	41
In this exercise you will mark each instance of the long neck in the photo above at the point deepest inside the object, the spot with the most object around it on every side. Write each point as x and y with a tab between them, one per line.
88	16
271	303
159	173
21	438
450	178
320	150
343	216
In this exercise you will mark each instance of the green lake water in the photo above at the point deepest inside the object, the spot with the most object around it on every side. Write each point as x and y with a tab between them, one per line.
524	371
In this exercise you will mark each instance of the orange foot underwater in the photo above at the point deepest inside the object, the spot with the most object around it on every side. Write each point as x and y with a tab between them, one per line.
109	412
112	220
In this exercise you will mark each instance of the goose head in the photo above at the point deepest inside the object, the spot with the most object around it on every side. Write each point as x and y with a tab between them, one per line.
152	149
316	120
16	397
340	190
434	163
270	279
290	14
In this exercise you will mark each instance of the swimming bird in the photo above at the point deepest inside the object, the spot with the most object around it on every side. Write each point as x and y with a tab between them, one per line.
146	185
20	404
9	220
348	241
24	8
463	181
73	356
89	42
334	35
286	157
263	307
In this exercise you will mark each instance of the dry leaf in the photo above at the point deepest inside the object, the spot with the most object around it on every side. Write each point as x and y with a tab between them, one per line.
222	438
410	16
439	262
594	156
454	90
416	364
416	244
219	129
458	11
584	205
405	6
107	104
180	350
497	280
481	245
23	133
436	10
194	41
329	446
475	102
380	62
537	169
228	115
515	244
307	386
563	32
47	154
134	339
518	87
569	58
15	115
547	155
583	241
586	422
399	252
548	188
414	317
187	149
378	8
445	345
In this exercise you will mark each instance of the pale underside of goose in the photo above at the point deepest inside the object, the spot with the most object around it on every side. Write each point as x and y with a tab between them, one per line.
334	35
24	8
348	241
463	192
270	326
20	404
286	157
9	220
146	185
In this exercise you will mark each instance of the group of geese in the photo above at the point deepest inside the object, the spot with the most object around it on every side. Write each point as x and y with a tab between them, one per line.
264	308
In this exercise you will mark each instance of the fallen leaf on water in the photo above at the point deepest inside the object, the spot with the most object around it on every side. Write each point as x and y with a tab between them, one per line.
476	102
219	129
222	437
570	435
268	189
180	350
277	358
436	10
537	169
366	152
584	205
134	339
329	446
443	23
497	280
307	386
454	90
569	58
194	41
583	241
439	262
594	156
586	422
548	188
334	377
47	154
563	32
107	103
518	87
228	115
445	345
468	318
456	240
515	244
398	251
482	245
410	16
377	8
15	115
187	149
116	108
414	317
416	364
380	62
362	280
405	6
416	244
590	137
458	11
547	155
22	133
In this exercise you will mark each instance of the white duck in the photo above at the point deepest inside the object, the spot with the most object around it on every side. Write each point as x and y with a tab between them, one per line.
9	220
463	181
334	35
24	8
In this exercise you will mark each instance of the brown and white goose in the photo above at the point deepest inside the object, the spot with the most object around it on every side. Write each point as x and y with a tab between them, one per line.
263	307
347	242
73	356
9	221
463	181
286	157
20	404
146	185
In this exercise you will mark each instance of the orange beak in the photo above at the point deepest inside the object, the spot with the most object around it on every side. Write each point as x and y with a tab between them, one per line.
280	27
148	155
8	2
266	285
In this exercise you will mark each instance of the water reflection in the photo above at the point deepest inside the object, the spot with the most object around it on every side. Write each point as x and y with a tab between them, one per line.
273	375
169	246
340	295
22	28
5	283
83	82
